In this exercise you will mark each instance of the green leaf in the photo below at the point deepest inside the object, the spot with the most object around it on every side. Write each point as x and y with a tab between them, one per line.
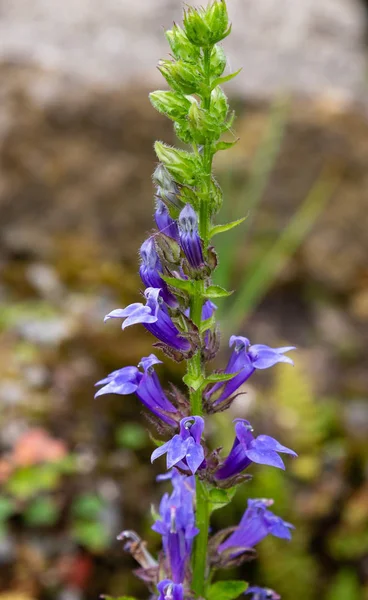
226	590
91	534
225	145
225	79
87	507
6	508
181	284
131	435
42	512
207	324
27	481
217	377
222	228
193	382
220	498
216	291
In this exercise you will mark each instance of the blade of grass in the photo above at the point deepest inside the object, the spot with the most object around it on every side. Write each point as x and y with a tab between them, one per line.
262	166
262	274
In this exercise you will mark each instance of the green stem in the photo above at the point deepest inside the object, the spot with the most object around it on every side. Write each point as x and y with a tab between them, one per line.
201	540
202	504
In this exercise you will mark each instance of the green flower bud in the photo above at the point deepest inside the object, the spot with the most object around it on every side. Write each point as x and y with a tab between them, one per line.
171	104
205	27
183	132
180	46
167	189
202	124
218	61
218	20
219	104
181	76
182	165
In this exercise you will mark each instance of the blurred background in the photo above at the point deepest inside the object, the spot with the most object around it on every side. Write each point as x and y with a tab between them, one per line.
76	202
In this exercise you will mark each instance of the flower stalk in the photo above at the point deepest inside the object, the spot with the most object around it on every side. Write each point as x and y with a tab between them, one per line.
177	264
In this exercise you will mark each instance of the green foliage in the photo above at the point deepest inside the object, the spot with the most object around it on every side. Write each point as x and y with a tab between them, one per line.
7	508
131	435
219	498
43	511
345	586
226	590
216	291
222	228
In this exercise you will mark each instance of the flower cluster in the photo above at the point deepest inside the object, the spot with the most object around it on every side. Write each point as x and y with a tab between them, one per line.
177	263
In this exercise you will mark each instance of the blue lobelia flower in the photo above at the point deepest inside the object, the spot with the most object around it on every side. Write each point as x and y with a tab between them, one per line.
244	360
176	525
146	386
170	590
184	446
256	523
190	241
262	593
154	316
247	449
151	270
164	222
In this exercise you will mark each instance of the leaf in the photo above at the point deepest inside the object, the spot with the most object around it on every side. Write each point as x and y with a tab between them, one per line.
216	291
220	498
181	284
193	382
222	228
131	435
207	324
225	145
218	377
42	511
87	507
225	79
226	590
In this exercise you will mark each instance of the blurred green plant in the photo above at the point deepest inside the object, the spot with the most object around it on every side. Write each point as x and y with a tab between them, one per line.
259	275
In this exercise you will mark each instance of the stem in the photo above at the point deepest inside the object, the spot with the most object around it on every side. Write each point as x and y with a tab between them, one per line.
201	541
202	504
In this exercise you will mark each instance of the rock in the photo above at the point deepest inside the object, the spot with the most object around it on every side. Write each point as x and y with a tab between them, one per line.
305	46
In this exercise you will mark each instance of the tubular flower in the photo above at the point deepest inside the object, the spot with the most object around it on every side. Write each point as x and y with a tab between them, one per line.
259	593
146	386
184	446
244	360
150	271
189	239
247	449
163	220
177	527
170	591
154	316
256	523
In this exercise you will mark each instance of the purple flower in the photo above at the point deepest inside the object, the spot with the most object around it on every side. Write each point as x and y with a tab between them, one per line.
150	271
247	449
190	241
244	360
256	523
170	591
184	446
262	593
177	526
155	317
146	386
164	222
